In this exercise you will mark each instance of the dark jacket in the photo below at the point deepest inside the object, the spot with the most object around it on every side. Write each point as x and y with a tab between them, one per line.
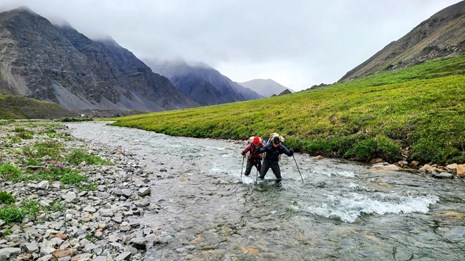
253	151
272	153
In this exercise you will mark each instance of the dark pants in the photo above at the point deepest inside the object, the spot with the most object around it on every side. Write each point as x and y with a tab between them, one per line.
250	163
274	165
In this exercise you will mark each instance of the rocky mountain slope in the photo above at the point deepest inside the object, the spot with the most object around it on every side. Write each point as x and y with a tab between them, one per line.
202	83
57	63
440	36
266	88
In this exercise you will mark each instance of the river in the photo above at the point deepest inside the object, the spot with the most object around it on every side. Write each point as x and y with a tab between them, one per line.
342	210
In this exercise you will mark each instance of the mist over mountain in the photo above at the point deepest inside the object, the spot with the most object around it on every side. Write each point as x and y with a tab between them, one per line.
202	83
265	87
57	63
440	36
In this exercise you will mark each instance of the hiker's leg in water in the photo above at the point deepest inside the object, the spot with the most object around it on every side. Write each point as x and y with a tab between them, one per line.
277	171
264	169
258	164
248	167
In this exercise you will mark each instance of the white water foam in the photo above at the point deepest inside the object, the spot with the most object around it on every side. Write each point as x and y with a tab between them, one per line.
347	174
349	207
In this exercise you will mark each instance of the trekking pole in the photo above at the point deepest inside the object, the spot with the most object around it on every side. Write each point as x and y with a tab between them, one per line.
242	168
298	168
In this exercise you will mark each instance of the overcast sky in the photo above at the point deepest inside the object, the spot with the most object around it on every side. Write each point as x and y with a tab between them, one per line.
297	43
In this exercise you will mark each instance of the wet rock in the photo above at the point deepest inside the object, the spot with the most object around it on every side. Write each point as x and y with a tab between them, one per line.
139	243
428	169
144	192
403	164
452	167
453	214
414	163
443	175
161	240
385	167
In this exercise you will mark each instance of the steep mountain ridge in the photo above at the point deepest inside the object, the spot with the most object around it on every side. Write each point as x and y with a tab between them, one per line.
440	36
202	83
57	63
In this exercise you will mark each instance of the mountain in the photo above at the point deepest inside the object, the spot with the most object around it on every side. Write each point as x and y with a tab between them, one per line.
266	88
440	36
202	83
58	64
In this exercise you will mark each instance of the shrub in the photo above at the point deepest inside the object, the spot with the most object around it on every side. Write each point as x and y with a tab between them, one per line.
64	175
79	156
6	198
12	214
10	172
56	206
31	208
72	178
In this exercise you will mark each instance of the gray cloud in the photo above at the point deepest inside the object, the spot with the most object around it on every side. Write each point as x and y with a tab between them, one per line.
297	43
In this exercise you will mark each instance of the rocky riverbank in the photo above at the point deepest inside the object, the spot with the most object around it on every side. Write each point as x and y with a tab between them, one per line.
95	219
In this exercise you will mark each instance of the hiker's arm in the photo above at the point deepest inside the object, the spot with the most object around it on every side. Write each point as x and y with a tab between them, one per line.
263	149
288	152
247	149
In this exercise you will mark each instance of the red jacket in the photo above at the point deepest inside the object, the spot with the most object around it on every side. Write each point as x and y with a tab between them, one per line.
253	151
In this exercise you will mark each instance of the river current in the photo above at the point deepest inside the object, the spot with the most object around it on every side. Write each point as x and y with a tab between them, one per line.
341	211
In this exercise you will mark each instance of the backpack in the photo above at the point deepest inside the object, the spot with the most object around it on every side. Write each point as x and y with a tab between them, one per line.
273	135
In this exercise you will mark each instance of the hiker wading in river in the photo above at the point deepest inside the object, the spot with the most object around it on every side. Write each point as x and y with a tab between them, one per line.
254	158
273	149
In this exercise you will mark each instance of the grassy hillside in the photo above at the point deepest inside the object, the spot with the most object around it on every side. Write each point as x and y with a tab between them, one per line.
12	107
416	113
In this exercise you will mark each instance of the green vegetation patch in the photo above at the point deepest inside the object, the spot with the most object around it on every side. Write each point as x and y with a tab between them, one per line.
418	111
12	214
6	198
10	172
14	107
78	156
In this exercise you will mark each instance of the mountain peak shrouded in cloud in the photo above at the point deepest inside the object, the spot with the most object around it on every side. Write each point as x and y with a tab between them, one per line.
202	83
265	87
57	63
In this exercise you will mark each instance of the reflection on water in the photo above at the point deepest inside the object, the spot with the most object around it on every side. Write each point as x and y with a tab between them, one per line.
342	210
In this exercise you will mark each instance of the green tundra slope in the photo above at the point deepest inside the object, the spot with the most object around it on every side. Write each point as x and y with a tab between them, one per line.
417	113
13	107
